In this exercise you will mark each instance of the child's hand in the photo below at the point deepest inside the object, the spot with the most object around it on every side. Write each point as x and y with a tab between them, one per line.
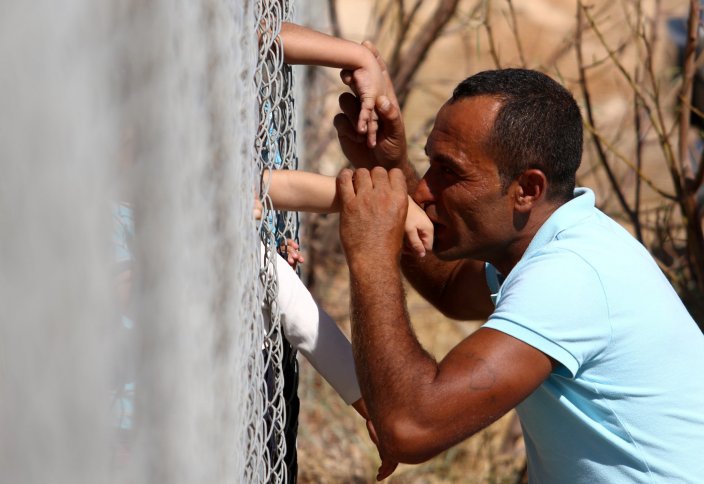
368	83
290	251
257	212
419	230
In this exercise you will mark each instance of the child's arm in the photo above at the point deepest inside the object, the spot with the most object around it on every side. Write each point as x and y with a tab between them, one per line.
306	46
311	331
303	191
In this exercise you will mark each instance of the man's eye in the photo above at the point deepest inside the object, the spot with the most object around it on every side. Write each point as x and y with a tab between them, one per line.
447	171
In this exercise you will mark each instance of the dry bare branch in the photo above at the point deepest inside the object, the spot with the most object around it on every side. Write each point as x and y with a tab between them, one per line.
419	45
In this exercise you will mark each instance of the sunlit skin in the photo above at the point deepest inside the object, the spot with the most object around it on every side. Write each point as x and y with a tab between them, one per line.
473	216
419	406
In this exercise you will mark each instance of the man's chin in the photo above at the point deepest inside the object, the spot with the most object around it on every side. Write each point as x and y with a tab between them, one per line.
449	251
446	253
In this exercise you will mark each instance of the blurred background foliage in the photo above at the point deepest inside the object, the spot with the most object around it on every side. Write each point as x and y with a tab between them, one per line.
637	71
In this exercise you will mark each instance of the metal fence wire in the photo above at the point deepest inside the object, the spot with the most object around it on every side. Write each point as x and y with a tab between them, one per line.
273	404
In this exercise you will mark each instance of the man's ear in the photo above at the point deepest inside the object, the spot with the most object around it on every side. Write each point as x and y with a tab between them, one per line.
529	188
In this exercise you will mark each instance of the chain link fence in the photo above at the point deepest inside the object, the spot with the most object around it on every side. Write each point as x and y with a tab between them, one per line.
272	449
134	345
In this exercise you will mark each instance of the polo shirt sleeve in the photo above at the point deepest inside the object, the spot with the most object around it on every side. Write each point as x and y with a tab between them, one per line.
556	303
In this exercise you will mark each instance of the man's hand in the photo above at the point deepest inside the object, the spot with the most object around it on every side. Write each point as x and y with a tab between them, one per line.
348	78
390	148
368	82
373	207
387	466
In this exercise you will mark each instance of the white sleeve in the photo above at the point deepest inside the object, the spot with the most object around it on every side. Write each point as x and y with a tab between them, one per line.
312	332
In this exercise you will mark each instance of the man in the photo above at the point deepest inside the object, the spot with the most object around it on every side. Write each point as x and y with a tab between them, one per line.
585	337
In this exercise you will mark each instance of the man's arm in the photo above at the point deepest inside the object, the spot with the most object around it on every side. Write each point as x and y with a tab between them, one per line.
387	467
458	288
418	407
303	191
390	151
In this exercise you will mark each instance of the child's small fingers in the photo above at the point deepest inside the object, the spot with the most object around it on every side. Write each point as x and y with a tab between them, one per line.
368	104
258	208
363	121
366	114
419	250
372	128
415	244
427	238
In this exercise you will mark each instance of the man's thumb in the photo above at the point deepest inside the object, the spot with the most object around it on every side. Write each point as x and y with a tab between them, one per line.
388	111
383	104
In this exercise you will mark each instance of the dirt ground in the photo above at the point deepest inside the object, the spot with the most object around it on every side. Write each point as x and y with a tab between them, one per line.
333	444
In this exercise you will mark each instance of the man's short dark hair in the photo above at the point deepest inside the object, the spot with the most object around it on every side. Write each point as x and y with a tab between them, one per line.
538	125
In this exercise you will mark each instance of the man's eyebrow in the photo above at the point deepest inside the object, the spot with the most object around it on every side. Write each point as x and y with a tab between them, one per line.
440	158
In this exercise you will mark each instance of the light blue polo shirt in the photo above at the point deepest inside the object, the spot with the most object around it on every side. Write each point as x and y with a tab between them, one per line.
627	402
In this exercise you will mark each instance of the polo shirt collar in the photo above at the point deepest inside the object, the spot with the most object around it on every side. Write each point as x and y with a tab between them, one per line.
568	215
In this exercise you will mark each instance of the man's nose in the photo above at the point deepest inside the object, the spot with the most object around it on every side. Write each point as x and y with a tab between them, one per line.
423	194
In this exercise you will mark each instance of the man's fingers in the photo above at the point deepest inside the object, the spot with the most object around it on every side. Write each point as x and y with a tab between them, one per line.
397	180
345	129
387	110
372	432
346	77
390	92
370	46
350	105
362	180
345	187
386	468
380	177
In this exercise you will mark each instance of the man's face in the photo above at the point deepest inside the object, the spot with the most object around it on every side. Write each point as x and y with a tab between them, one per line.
461	191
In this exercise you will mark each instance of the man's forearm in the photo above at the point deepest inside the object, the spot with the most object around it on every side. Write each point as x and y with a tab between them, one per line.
456	288
378	318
